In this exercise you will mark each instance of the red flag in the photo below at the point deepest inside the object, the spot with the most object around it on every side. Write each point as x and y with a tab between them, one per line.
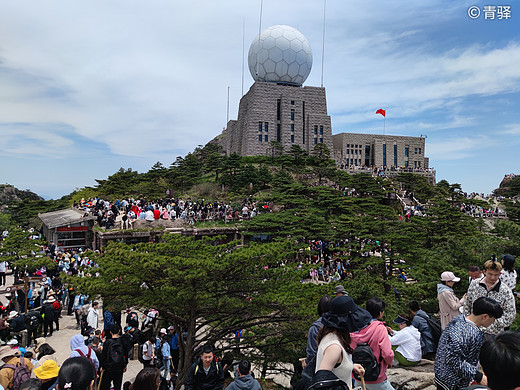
381	111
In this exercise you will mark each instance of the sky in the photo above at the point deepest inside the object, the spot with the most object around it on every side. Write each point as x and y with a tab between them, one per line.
89	87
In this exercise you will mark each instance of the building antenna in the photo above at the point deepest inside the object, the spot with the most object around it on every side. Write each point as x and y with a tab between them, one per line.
243	51
227	116
323	43
259	32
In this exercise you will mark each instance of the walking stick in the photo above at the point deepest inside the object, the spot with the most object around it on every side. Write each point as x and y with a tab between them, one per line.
363	381
101	377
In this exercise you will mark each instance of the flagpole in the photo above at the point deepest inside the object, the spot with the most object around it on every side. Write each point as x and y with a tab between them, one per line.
384	122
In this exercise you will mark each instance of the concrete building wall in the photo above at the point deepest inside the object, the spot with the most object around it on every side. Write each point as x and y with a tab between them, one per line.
380	150
269	112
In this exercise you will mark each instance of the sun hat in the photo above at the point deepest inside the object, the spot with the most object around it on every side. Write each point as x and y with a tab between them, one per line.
339	289
449	276
6	351
51	299
48	370
12	342
163	330
345	314
12	314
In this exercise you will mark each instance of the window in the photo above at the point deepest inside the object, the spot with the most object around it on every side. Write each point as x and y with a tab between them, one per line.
278	132
384	155
266	126
321	130
292	115
355	151
315	129
395	155
415	151
351	151
419	164
321	140
348	145
315	141
278	109
266	138
292	126
348	151
419	150
406	151
292	138
406	164
259	137
259	126
292	102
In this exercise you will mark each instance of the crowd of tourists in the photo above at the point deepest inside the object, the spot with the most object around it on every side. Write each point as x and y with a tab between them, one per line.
472	346
129	210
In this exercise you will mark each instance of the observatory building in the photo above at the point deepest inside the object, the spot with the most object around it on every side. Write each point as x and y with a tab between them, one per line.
277	107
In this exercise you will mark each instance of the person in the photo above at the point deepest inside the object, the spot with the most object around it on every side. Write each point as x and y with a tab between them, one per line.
449	304
79	349
76	374
206	373
407	340
500	361
508	274
419	321
132	319
4	326
48	318
334	351
7	355
148	352
339	290
459	346
30	384
162	348
108	323
16	322
47	373
173	340
376	336
491	286
44	352
3	267
149	378
312	338
33	319
474	272
245	381
92	316
113	360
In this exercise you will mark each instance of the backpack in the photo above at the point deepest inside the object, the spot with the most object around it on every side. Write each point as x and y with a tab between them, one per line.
140	353
115	359
364	355
33	320
21	374
159	353
435	327
87	355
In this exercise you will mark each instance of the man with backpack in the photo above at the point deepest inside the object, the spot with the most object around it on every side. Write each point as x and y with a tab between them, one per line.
79	349
15	370
113	360
33	319
206	373
421	321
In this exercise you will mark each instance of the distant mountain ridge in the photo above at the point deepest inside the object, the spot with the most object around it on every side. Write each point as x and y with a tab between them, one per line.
509	186
10	195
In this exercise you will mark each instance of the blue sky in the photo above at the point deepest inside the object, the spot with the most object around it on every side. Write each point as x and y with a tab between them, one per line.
89	87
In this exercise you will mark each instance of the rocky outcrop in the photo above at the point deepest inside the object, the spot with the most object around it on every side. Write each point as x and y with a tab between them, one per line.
10	195
419	377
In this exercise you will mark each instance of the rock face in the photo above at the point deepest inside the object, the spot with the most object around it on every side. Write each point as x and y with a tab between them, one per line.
10	195
419	377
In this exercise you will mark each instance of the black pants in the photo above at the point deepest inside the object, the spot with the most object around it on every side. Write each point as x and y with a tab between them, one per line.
109	377
2	278
47	324
32	334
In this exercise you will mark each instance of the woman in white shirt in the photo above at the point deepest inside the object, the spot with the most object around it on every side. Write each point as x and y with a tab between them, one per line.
334	351
407	340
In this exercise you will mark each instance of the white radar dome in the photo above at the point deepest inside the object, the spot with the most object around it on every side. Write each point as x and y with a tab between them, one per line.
280	54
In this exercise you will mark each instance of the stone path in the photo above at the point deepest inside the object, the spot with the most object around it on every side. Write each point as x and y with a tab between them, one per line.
68	328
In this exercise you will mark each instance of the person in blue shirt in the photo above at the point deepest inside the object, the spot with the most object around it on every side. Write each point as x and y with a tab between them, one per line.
163	346
174	347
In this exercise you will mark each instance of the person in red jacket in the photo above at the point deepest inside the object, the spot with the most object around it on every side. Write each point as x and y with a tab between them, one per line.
376	336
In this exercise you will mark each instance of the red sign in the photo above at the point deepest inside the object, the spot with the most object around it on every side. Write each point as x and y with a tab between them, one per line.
72	229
